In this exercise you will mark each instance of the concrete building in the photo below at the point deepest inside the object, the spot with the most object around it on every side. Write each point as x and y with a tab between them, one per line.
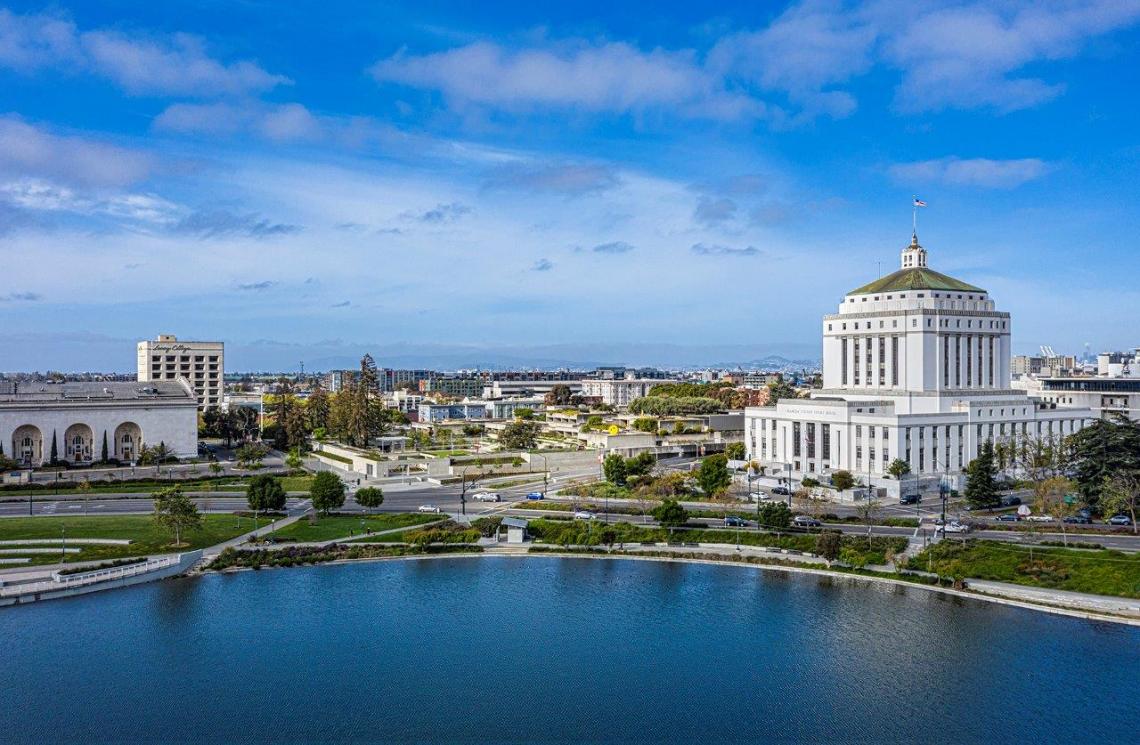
462	387
429	412
509	388
916	365
1115	390
335	380
618	392
1023	365
80	417
202	363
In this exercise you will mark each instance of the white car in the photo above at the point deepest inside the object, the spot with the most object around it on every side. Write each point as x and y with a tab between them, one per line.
953	527
584	515
429	508
487	496
1039	519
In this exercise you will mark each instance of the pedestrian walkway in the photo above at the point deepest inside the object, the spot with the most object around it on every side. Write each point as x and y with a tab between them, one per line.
1062	598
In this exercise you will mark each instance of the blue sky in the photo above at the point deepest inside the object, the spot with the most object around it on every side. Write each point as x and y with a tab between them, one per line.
313	176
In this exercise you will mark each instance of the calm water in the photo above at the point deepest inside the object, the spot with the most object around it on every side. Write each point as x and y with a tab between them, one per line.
550	650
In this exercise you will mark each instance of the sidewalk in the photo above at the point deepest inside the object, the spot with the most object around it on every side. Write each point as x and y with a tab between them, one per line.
1061	598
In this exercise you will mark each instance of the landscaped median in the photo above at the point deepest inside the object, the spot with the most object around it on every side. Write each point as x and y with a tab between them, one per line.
302	555
339	525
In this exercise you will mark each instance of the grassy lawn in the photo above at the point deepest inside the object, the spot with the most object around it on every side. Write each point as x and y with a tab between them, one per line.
447	453
147	537
1100	572
341	526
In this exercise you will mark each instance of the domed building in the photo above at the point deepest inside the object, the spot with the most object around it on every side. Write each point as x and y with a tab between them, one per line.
916	365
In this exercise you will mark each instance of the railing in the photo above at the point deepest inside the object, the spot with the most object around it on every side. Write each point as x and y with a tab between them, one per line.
127	570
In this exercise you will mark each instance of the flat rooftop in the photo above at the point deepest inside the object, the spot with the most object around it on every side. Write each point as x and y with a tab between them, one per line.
24	392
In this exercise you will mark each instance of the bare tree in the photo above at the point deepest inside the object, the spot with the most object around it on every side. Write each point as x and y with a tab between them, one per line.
868	511
1050	498
1121	494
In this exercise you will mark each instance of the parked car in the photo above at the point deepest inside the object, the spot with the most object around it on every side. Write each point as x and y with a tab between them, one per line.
953	527
732	521
534	495
429	508
910	499
1085	512
1039	519
584	515
1008	518
1120	520
1010	500
803	521
1078	520
783	491
487	496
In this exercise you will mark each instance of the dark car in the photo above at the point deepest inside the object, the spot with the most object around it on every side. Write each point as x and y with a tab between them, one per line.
732	521
1085	512
803	521
910	499
781	490
1010	501
1011	518
1078	520
1120	520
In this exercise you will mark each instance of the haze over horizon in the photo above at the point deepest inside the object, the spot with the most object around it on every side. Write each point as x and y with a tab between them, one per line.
533	183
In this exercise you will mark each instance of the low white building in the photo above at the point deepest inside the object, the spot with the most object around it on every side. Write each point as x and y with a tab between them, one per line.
916	365
618	392
80	417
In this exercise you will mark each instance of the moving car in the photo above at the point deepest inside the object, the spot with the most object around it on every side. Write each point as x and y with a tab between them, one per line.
952	527
1078	520
429	508
1039	519
803	521
910	499
1008	518
486	496
535	495
732	521
1120	520
781	490
584	515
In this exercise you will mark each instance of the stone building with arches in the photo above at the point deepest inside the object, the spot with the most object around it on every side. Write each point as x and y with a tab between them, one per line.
80	417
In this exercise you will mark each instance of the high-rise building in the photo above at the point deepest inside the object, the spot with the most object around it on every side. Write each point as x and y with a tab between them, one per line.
201	363
916	365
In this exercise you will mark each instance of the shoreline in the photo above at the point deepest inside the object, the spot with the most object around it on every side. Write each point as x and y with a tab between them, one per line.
834	574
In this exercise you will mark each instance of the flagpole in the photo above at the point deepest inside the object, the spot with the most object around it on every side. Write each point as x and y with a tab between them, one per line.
914	215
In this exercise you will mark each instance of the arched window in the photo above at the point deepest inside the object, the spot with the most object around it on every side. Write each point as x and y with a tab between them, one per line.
27	442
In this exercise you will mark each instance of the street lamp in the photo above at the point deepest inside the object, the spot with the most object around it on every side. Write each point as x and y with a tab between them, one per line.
788	466
463	489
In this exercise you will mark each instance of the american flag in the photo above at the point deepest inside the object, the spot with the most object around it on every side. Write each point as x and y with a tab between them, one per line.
919	203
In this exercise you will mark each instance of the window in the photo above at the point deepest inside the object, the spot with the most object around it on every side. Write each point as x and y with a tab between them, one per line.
843	357
796	440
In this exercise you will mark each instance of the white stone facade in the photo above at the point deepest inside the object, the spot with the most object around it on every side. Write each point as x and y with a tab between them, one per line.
80	415
916	365
618	392
202	363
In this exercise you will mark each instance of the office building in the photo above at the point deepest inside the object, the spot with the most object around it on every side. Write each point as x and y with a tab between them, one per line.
201	363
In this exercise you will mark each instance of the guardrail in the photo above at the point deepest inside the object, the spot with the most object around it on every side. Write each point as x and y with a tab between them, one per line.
127	570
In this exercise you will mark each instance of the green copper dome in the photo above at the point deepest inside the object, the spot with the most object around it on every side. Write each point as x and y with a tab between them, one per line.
915	278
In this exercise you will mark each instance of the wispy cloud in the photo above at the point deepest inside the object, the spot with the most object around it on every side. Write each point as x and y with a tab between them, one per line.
257	286
18	297
171	64
974	172
342	304
707	249
615	247
711	212
542	265
440	214
220	223
30	151
570	179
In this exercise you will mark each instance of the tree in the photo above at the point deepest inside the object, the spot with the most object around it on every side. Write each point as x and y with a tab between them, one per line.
1102	450
327	492
1051	497
370	497
734	451
981	479
670	513
645	424
828	544
524	413
519	435
774	515
559	395
713	476
216	468
176	512
614	469
54	450
1120	496
868	511
898	468
265	494
842	480
780	389
103	456
293	460
250	454
317	408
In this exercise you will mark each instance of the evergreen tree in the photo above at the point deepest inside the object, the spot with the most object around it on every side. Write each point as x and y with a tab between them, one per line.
54	450
614	469
713	475
981	479
105	453
317	408
1104	450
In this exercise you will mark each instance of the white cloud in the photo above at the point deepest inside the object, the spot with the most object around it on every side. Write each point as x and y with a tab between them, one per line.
974	172
26	150
607	77
177	64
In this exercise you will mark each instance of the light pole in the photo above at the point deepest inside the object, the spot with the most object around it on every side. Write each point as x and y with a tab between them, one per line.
788	466
463	490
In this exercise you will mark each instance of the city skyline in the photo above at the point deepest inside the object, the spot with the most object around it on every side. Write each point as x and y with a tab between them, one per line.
722	184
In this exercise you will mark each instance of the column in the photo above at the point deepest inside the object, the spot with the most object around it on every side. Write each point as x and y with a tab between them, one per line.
985	357
850	361
953	361
875	361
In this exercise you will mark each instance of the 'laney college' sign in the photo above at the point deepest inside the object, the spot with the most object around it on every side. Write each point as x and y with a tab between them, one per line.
170	348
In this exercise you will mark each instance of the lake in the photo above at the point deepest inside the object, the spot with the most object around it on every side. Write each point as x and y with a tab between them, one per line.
550	650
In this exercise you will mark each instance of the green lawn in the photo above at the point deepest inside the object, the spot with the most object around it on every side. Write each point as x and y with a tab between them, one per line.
1100	572
147	537
342	526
